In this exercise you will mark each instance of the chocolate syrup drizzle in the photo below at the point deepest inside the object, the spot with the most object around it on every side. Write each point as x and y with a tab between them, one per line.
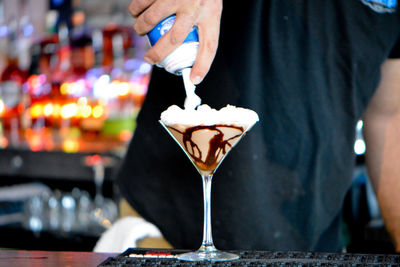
217	145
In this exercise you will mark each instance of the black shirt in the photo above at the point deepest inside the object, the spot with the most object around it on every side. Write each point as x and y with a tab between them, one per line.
309	69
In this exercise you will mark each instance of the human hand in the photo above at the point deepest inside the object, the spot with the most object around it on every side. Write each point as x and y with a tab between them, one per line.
206	14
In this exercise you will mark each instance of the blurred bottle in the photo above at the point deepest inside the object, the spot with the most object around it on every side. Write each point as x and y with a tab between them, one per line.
118	51
118	45
38	88
97	42
108	34
120	105
24	43
76	87
25	34
11	80
3	37
25	37
63	61
48	55
82	51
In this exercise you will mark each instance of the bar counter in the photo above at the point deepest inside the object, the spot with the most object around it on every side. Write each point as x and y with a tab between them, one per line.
11	258
166	257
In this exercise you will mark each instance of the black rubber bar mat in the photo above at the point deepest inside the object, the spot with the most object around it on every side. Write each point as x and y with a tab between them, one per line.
164	257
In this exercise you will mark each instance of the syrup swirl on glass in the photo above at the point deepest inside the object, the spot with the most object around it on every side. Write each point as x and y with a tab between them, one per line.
218	146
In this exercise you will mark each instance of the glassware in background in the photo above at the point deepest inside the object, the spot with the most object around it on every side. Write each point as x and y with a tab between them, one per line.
36	214
68	213
84	209
105	211
54	211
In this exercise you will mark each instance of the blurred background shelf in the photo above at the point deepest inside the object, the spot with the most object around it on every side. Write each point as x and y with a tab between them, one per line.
72	82
48	165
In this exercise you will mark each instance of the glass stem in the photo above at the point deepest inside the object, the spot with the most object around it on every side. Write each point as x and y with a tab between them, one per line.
207	244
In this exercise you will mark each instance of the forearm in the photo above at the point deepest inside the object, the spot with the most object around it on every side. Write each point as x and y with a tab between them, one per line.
382	157
381	133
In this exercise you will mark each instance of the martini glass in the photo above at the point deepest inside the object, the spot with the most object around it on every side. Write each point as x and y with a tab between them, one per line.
206	146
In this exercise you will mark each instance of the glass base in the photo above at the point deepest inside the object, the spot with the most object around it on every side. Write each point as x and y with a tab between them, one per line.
201	255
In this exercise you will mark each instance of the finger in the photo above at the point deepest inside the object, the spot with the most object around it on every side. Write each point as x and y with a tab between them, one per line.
171	40
136	7
208	44
150	17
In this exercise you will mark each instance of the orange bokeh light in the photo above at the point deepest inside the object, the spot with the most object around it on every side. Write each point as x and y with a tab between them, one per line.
70	145
125	135
36	111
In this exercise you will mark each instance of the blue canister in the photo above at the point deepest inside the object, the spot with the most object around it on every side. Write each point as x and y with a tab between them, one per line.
183	56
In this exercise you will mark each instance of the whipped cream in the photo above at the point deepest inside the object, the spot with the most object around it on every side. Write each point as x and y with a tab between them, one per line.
205	115
192	100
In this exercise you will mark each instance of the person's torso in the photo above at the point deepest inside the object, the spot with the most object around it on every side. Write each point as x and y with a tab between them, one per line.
309	69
